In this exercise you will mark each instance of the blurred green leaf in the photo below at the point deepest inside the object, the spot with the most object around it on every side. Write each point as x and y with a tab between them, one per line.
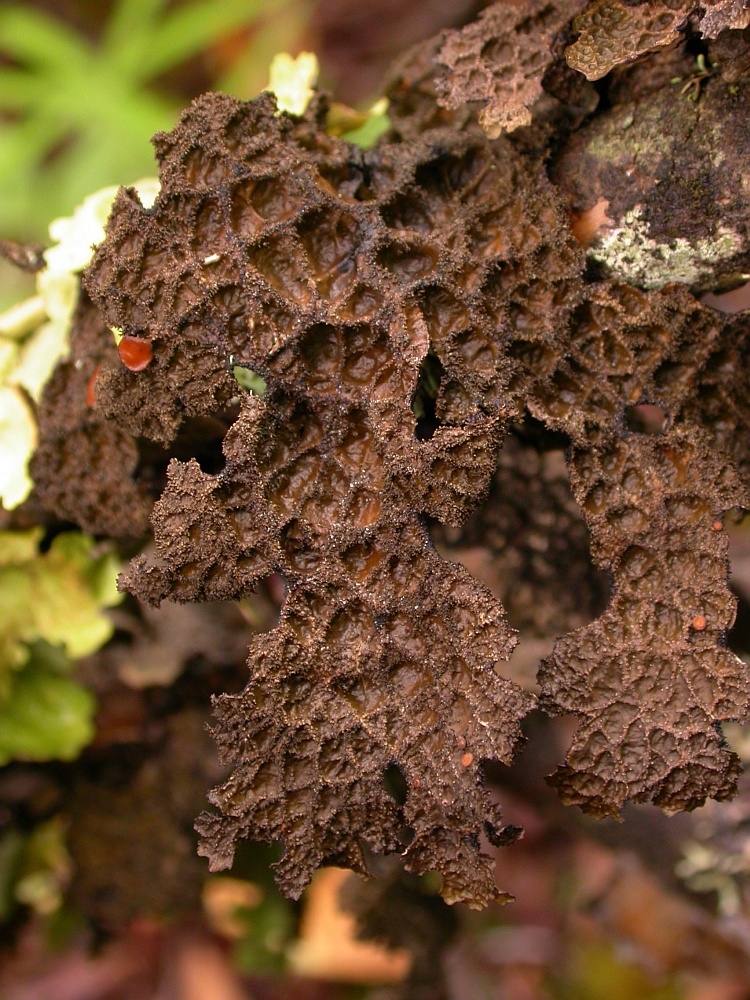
78	116
248	73
58	596
369	133
249	380
595	972
268	927
192	28
30	35
46	716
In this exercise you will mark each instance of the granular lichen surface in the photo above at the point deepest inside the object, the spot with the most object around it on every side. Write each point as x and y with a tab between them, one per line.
407	309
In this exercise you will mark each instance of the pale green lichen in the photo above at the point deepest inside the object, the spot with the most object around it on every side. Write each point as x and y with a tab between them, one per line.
44	868
58	283
624	139
631	254
75	238
76	235
54	605
22	318
707	869
292	81
57	596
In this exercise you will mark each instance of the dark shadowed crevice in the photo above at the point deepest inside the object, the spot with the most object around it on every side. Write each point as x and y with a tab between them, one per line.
739	558
200	438
394	783
529	545
423	404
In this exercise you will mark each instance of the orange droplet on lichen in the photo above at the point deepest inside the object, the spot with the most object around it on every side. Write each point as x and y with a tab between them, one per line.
718	525
91	388
699	623
416	783
467	760
135	353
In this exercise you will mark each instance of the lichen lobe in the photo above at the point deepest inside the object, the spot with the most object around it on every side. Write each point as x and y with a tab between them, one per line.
613	32
334	276
403	307
501	60
651	677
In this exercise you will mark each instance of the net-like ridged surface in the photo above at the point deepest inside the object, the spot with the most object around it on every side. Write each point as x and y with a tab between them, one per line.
402	306
410	86
84	467
625	347
188	375
536	541
721	402
346	281
614	32
501	59
651	677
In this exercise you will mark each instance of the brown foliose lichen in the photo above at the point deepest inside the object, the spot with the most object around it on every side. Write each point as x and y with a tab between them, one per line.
406	307
411	88
346	281
129	827
529	537
501	60
617	31
652	676
85	466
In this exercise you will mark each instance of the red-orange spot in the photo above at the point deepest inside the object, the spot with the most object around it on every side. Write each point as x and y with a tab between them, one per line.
135	353
467	760
699	623
90	388
585	225
718	525
416	783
